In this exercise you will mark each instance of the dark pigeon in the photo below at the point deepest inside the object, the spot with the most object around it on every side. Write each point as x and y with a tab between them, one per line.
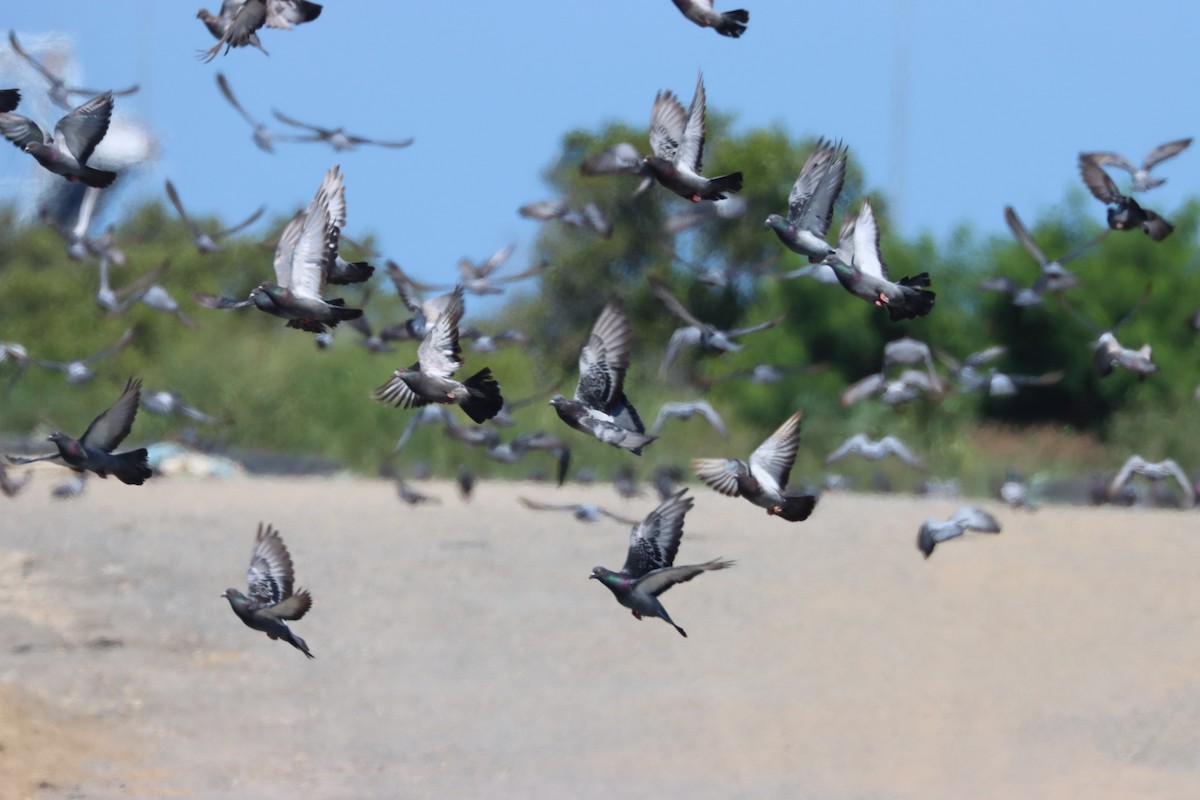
94	450
729	23
60	93
1124	213
270	599
9	99
649	566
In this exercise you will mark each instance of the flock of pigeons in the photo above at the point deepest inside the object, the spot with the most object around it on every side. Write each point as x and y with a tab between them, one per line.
307	261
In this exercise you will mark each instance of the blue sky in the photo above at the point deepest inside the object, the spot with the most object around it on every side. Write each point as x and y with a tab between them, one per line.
1000	98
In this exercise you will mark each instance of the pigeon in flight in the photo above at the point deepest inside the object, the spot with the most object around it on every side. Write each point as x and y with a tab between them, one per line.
1053	277
1015	491
80	371
911	384
411	496
584	512
75	137
810	204
207	243
1124	213
696	332
262	136
9	100
701	408
304	259
9	486
549	443
649	566
165	403
620	158
239	20
863	273
600	407
59	92
677	143
94	450
270	599
763	480
589	217
730	23
1154	471
337	138
429	381
1142	179
70	488
1107	350
966	518
860	445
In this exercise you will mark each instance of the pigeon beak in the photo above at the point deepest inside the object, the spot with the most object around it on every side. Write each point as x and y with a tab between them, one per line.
591	576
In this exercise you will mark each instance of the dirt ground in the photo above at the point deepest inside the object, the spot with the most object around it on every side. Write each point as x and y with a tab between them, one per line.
462	652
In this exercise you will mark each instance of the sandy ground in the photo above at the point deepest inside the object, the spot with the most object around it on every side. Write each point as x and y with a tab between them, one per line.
462	652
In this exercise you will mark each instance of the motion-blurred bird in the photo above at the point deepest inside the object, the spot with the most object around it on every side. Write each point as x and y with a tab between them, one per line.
860	445
80	371
10	486
429	381
239	20
863	273
910	385
59	92
94	450
649	565
600	407
166	403
1124	213
729	23
9	99
698	333
263	137
764	479
337	138
1142	179
206	242
270	601
1052	277
584	512
966	518
685	411
590	217
677	144
810	204
75	137
1153	471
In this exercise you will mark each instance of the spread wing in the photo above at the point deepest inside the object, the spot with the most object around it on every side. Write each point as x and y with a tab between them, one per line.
1022	233
83	128
654	542
772	461
286	247
246	223
667	123
316	247
691	147
605	357
621	157
659	581
668	299
1097	180
1165	151
814	211
270	573
897	448
173	196
21	130
438	353
1110	159
110	428
851	445
866	243
975	519
720	474
223	85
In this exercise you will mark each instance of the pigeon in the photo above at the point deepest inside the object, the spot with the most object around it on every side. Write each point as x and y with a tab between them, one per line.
17	354
584	512
337	138
1015	492
429	381
9	486
730	208
730	23
763	480
600	407
590	217
238	23
427	415
908	352
303	260
686	411
165	403
1107	350
625	482
649	566
893	392
207	243
489	343
270	600
621	158
70	488
80	371
1053	277
696	332
1142	179
1124	213
59	92
810	204
764	374
860	445
425	312
94	450
966	518
478	278
262	136
411	496
864	275
549	443
677	142
75	137
666	479
466	483
1154	471
9	100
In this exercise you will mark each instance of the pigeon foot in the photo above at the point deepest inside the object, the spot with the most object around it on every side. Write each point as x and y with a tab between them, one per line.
882	301
636	615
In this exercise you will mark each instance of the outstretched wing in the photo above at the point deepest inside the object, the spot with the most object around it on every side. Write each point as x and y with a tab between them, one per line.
720	474
667	123
772	461
605	357
270	573
83	127
223	85
438	353
110	428
659	581
1022	233
691	146
1098	182
653	543
866	243
1165	151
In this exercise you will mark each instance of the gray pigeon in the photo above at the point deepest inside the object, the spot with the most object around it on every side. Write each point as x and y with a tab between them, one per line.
860	445
337	138
589	217
59	92
763	480
701	408
893	392
238	23
966	518
71	488
584	512
810	204
548	443
206	242
1153	471
80	371
1053	276
165	403
94	450
1124	213
677	143
649	566
429	380
863	273
9	486
621	158
270	599
600	407
262	136
411	496
75	137
730	23
1142	179
304	259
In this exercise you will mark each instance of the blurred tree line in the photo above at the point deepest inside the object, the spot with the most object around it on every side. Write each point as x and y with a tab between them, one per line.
278	392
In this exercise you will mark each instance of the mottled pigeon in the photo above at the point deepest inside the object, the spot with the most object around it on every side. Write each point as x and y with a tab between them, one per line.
270	599
75	137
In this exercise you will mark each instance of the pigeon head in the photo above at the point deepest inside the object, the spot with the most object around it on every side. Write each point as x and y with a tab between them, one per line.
599	572
203	14
775	221
234	596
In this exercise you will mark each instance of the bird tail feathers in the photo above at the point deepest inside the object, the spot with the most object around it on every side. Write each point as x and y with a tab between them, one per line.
485	401
134	469
914	301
